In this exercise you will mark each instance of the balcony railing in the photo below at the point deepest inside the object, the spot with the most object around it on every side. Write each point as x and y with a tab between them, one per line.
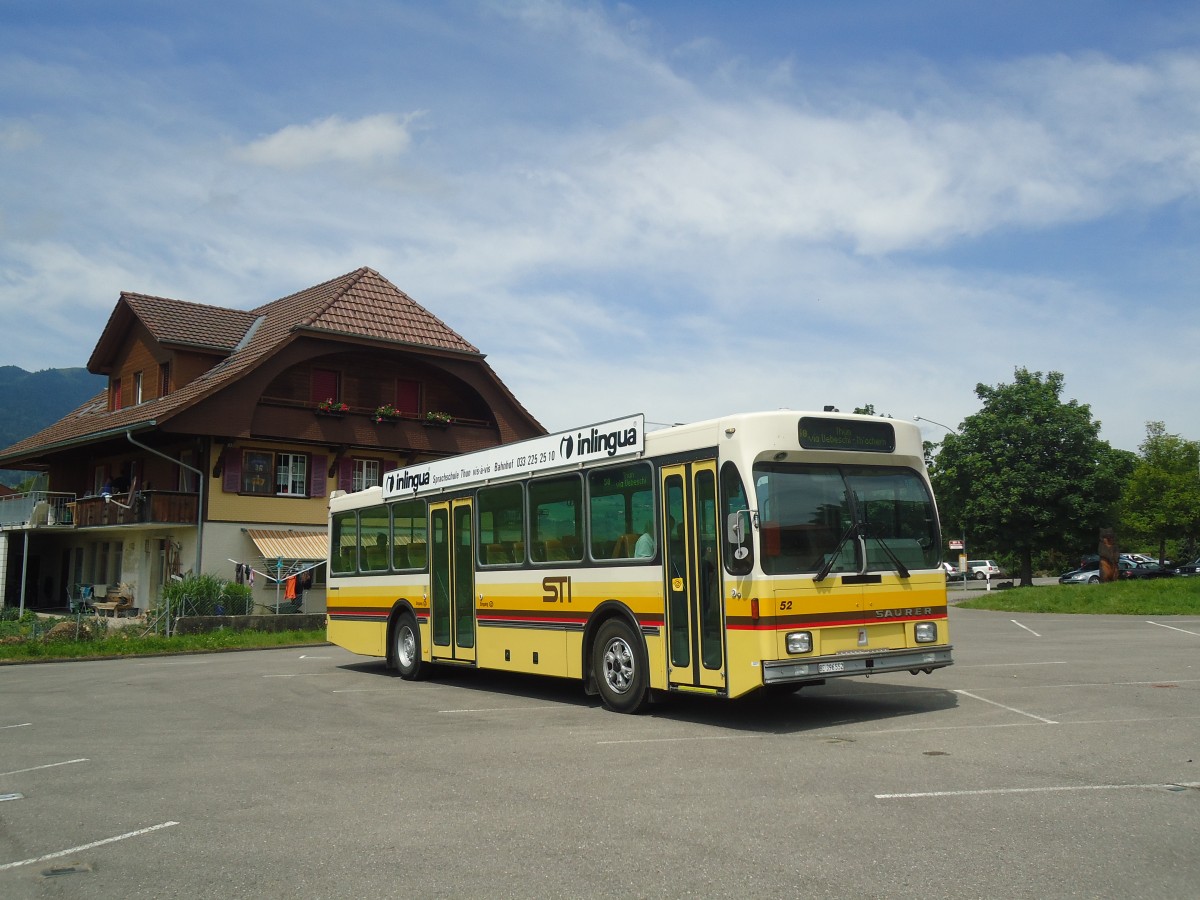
34	509
47	509
173	507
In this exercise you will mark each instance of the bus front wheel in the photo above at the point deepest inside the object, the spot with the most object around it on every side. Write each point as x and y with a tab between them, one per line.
406	648
619	665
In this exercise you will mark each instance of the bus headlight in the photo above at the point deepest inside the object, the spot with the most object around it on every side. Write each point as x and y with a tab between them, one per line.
926	632
799	642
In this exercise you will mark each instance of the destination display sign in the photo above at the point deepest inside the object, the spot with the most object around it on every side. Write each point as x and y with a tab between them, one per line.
593	443
847	434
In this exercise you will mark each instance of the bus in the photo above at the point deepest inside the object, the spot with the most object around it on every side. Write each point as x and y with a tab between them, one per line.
763	551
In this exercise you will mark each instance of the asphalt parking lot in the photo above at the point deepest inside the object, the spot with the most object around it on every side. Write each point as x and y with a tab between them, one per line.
1059	757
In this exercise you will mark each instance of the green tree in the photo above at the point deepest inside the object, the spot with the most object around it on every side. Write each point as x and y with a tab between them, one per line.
1161	500
1026	472
869	410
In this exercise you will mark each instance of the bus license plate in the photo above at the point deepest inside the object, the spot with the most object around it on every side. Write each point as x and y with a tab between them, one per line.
831	667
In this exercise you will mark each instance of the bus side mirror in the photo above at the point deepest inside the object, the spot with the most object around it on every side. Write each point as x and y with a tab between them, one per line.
736	534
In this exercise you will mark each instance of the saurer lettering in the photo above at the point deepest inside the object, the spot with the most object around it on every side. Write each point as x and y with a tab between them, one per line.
903	613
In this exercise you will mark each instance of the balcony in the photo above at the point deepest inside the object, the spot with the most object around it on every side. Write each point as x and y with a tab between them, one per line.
36	509
148	507
54	510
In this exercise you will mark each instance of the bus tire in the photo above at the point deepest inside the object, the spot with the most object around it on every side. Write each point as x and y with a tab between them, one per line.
406	648
619	666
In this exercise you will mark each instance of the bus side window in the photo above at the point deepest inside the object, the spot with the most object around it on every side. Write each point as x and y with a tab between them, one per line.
620	508
501	522
417	555
408	527
555	520
343	538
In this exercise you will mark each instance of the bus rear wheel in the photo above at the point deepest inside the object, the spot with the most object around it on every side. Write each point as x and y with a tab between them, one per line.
619	666
406	648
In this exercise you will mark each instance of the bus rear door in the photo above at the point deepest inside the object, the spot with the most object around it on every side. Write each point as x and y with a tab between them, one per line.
692	576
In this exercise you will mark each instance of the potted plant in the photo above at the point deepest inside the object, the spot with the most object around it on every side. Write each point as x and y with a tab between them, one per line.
438	418
331	407
386	413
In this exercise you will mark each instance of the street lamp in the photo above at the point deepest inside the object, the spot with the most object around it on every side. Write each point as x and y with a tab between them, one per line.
938	424
964	529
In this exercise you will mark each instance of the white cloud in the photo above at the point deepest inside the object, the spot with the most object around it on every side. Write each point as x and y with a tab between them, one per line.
616	235
370	139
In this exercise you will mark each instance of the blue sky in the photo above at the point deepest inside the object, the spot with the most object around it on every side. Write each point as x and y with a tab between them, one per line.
681	208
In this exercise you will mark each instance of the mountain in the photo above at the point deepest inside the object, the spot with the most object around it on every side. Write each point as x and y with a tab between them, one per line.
38	399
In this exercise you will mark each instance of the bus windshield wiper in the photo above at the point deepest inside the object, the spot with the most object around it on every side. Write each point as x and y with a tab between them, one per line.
854	529
901	569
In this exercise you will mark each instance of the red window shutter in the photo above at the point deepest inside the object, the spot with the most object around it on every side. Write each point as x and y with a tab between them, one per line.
408	397
346	474
116	393
325	385
232	481
316	484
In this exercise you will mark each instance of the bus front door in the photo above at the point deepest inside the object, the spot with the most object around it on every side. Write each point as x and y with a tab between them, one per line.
452	581
692	575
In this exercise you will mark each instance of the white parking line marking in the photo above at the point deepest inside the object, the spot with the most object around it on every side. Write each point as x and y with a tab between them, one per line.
47	766
1027	628
1056	662
22	725
1173	628
299	675
1011	709
1040	790
82	847
688	738
504	709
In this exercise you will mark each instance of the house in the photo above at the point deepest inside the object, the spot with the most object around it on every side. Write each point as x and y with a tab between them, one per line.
223	431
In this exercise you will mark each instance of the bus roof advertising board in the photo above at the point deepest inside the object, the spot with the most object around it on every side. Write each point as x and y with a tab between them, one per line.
593	443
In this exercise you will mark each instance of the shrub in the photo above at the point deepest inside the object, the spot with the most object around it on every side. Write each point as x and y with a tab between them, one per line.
207	595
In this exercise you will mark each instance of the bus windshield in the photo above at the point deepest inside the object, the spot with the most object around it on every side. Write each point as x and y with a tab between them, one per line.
805	511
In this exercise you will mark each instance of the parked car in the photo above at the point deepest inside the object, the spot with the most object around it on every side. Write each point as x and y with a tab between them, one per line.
1187	569
984	568
950	570
1146	570
1089	572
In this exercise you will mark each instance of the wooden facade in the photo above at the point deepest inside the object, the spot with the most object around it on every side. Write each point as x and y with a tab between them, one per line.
211	424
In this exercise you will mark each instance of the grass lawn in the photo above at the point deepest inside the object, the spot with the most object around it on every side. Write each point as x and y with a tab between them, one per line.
128	642
1154	597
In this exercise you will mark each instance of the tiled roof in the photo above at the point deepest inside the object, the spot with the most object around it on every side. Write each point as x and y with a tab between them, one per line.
361	304
189	324
365	304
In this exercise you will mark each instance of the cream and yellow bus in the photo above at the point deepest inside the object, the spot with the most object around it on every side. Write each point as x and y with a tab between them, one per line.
761	551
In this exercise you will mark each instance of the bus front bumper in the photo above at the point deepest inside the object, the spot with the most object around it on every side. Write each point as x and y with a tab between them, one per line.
781	671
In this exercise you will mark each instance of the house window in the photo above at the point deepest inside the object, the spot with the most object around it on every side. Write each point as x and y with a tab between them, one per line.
291	474
257	475
189	481
164	379
366	474
326	385
114	394
137	388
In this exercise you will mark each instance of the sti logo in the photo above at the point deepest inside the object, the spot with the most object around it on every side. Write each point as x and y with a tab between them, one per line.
566	446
